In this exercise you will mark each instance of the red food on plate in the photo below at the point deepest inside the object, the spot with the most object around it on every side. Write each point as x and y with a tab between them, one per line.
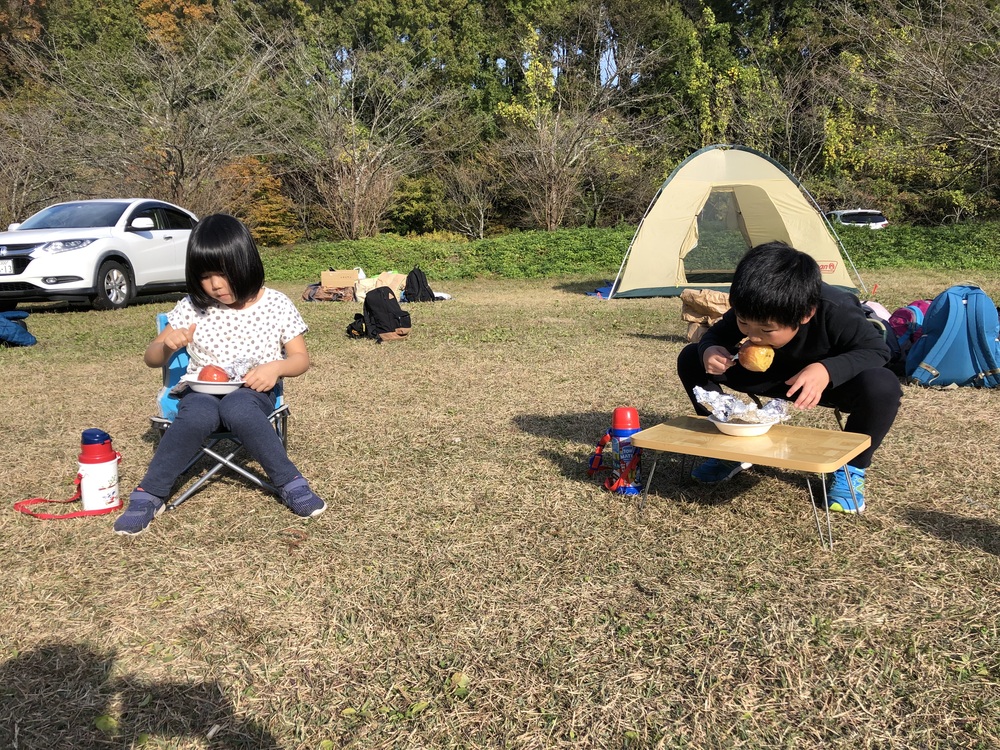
213	374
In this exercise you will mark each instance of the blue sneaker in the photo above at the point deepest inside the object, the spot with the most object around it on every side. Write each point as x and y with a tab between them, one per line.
715	470
838	492
142	509
301	500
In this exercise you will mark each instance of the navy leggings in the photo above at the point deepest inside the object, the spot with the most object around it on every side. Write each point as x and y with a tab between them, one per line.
871	398
243	412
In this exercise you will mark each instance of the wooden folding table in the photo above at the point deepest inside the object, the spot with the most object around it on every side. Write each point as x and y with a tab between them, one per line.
806	449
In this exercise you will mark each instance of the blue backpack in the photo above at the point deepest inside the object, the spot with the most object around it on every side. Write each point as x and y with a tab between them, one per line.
959	343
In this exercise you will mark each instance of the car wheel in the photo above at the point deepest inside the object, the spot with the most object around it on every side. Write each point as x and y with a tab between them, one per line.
7	306
114	286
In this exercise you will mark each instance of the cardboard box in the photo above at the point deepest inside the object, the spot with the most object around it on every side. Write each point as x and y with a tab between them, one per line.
338	279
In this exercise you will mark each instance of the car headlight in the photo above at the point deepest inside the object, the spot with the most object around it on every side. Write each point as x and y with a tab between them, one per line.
61	246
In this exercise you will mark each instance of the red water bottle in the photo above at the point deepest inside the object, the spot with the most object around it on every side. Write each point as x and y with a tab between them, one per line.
98	471
626	477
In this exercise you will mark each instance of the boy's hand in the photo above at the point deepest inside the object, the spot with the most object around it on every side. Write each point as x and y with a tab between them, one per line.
717	360
178	338
809	383
263	377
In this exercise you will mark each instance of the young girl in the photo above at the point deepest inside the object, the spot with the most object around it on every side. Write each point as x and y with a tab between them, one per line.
229	319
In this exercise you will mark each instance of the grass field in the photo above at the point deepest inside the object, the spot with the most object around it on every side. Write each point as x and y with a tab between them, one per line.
469	585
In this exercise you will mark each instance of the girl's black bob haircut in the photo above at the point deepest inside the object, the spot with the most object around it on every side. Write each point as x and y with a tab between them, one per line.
222	244
775	283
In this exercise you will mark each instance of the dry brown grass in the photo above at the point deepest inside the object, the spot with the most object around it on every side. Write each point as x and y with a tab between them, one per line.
469	586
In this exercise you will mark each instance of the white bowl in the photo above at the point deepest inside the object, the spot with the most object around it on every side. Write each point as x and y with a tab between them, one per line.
740	430
216	389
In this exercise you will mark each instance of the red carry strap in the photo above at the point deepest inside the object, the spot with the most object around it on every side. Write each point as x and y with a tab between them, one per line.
23	505
614	484
594	465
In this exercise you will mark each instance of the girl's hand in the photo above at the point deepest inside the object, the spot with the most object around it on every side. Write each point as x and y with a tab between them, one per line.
809	383
263	377
178	338
717	360
167	341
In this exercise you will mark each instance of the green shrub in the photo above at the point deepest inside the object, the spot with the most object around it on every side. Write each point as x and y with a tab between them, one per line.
599	252
972	246
517	255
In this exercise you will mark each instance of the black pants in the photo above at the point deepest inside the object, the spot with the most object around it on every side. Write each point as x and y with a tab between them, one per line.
871	398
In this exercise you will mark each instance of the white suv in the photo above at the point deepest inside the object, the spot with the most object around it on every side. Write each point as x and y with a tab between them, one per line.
860	217
104	252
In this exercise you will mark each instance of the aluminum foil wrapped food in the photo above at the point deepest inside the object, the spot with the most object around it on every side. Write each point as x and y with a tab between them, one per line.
239	368
727	408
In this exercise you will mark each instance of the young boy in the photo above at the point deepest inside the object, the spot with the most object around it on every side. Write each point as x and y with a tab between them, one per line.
825	350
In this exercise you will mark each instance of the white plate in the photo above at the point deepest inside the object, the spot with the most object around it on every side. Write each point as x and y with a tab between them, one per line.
216	389
740	430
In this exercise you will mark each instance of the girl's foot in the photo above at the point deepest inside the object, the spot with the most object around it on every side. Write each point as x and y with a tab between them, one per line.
142	509
301	500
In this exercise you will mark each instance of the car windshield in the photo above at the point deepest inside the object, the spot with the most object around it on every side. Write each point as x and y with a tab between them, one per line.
862	217
77	216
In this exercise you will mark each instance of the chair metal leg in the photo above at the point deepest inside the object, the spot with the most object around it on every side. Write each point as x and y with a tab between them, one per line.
207	475
278	419
839	416
229	463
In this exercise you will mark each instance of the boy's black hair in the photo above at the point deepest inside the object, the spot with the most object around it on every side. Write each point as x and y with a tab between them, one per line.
775	283
222	244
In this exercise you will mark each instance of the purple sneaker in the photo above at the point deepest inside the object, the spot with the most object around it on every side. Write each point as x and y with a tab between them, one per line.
142	509
301	500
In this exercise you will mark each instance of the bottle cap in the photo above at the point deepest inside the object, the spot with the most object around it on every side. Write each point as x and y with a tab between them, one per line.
625	418
95	447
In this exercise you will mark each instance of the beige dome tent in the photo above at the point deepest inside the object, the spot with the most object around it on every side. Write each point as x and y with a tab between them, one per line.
719	202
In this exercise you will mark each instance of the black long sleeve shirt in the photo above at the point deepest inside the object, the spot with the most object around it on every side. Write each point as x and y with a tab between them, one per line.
838	335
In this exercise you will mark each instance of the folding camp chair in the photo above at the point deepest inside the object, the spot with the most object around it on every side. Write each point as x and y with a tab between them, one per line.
167	403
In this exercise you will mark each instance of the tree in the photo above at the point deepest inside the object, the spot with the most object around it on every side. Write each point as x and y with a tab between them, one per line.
473	186
577	110
34	167
362	119
164	115
924	80
20	20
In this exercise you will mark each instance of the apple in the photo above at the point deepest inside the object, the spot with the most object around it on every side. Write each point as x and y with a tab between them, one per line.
213	374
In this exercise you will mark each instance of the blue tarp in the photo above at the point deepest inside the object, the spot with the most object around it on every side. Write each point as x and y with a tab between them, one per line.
12	331
602	291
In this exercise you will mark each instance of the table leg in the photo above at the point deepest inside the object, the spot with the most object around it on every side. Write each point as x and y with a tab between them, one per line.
649	481
826	542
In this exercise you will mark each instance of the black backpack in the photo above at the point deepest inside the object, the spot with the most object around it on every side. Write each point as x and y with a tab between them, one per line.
897	358
382	319
417	289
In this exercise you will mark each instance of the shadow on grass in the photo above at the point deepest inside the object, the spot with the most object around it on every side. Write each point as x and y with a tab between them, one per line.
584	287
68	696
660	337
61	306
587	427
672	479
970	532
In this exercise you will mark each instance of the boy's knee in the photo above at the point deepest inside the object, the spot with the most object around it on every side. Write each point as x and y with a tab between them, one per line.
872	390
689	363
881	383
